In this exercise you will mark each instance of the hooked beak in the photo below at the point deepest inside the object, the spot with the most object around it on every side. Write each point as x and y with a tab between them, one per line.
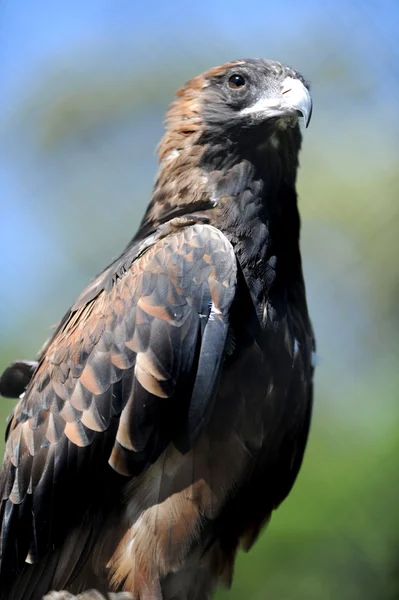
297	98
293	99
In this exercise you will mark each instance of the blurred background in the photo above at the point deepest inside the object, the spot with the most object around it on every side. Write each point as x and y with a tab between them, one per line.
84	86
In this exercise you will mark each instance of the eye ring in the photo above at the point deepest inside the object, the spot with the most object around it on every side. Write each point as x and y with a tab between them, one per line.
236	81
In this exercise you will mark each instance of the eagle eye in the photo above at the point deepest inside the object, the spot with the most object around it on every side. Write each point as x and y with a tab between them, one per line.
236	81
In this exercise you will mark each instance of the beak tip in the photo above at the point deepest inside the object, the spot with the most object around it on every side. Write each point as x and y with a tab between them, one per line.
298	97
305	111
309	116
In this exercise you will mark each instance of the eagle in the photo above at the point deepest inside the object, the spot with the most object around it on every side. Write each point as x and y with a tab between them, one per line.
167	416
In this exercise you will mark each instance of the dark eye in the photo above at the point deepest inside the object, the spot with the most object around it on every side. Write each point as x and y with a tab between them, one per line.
236	81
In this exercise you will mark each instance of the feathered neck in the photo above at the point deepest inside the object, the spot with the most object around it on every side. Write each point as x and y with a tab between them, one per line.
202	170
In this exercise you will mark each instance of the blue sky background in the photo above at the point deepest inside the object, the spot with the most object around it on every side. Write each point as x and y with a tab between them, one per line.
349	51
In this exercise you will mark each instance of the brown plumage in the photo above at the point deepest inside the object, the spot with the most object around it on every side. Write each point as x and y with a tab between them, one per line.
89	595
168	414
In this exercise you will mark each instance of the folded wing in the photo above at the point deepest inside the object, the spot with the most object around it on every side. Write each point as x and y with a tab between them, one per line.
132	368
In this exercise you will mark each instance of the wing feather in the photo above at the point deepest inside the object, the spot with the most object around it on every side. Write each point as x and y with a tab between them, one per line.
133	365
